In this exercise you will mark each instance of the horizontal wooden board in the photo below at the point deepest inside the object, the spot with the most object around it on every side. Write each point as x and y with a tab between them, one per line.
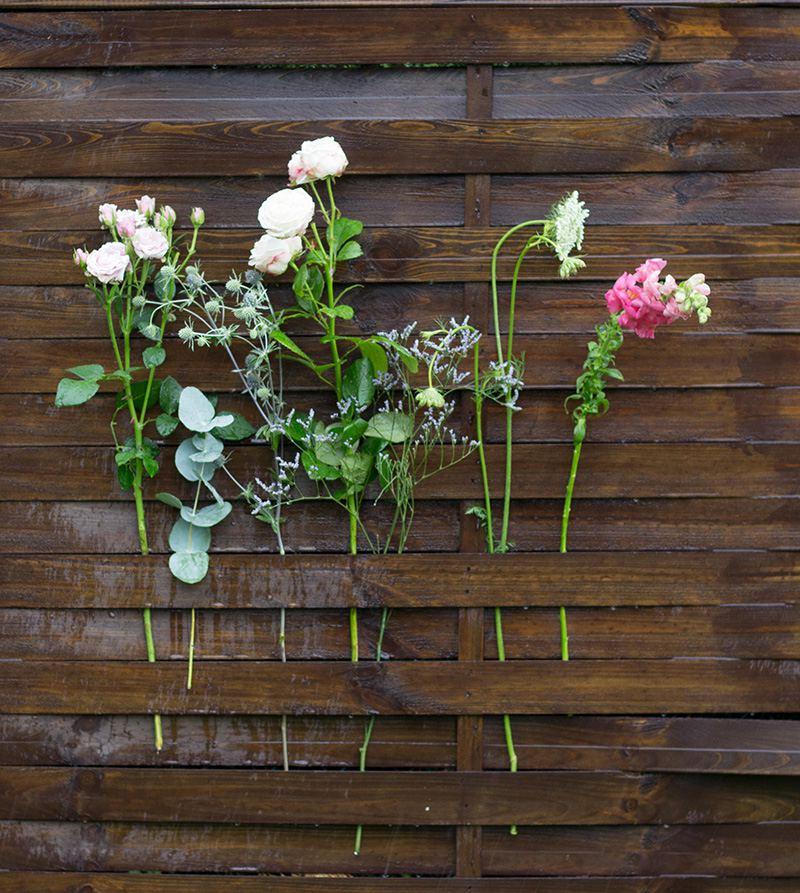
771	631
647	91
660	525
473	580
727	851
677	359
608	471
210	147
233	202
662	416
53	882
415	687
639	744
391	798
478	33
444	254
755	305
708	197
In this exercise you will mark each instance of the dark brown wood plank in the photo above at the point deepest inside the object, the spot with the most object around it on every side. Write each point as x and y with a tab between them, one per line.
79	148
416	687
396	798
52	882
629	744
337	581
233	202
747	631
610	471
663	416
755	305
677	359
121	847
479	33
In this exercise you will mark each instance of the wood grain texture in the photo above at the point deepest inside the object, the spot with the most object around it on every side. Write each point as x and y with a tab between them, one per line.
395	798
70	148
478	34
415	687
436	581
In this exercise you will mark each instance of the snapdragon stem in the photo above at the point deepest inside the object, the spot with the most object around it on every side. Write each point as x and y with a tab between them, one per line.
578	439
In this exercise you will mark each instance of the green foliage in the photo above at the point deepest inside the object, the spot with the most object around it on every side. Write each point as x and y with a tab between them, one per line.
590	396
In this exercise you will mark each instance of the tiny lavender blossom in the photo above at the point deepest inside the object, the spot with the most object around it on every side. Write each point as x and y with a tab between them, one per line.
638	302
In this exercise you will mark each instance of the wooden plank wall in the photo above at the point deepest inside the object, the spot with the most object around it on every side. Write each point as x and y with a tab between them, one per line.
665	758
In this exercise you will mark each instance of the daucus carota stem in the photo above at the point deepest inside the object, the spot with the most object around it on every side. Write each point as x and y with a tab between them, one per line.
573	472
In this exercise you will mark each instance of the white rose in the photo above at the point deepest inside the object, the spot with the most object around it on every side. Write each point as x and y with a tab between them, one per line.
271	255
317	159
109	262
286	213
149	243
106	213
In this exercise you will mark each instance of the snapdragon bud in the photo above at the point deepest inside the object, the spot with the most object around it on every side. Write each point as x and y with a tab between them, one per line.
197	217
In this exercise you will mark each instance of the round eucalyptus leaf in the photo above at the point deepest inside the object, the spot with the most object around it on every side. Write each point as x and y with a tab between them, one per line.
195	410
208	516
191	470
185	538
209	449
189	567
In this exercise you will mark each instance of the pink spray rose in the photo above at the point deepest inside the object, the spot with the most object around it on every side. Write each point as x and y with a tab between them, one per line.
149	243
108	263
317	159
80	256
127	222
106	212
146	205
271	255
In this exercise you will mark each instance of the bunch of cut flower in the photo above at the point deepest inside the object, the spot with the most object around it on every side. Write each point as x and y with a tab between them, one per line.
393	392
142	257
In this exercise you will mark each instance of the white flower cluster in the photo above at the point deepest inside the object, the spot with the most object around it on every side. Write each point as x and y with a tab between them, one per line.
565	230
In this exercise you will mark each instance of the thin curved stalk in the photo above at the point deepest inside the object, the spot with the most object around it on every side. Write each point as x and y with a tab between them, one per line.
578	439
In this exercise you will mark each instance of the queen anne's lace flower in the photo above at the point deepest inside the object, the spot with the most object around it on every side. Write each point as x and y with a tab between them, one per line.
567	217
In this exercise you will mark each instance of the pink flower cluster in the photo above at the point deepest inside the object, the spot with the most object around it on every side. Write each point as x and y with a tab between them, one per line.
644	302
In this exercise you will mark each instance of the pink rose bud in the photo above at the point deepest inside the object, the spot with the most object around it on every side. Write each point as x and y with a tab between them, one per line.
106	213
80	256
127	222
146	205
168	214
197	217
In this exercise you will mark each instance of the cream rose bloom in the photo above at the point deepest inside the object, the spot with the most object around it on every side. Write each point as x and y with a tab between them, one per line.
317	159
286	213
149	243
271	255
108	263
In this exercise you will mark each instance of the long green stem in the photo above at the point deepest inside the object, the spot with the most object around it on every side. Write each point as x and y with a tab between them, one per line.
578	438
284	718
192	627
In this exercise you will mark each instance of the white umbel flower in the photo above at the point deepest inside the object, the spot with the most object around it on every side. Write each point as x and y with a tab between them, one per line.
566	219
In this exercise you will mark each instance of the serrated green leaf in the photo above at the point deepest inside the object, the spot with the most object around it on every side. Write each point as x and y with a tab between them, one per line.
343	311
91	372
238	429
350	251
73	392
342	231
375	354
169	395
283	339
166	424
150	465
153	356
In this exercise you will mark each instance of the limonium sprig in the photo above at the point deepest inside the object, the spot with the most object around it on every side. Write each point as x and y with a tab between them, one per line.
639	302
142	257
562	232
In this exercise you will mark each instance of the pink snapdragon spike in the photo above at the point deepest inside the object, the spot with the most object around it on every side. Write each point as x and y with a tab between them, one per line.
642	302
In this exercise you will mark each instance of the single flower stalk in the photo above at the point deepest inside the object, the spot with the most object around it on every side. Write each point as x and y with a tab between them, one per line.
639	302
562	232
